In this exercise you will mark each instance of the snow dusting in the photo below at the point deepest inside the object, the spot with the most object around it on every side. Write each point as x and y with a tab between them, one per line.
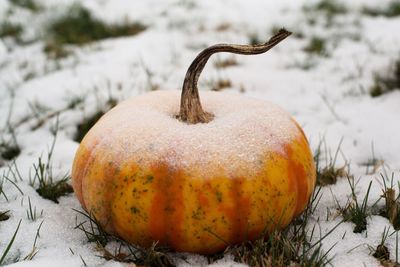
243	132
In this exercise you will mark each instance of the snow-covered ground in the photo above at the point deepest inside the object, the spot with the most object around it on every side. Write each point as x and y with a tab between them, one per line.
327	94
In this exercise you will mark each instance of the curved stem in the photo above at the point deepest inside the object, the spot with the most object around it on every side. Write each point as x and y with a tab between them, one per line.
191	110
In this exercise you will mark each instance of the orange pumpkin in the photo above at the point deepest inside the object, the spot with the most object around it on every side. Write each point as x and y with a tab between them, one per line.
153	170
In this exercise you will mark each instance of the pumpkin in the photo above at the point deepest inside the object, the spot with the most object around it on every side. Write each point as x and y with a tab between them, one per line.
195	177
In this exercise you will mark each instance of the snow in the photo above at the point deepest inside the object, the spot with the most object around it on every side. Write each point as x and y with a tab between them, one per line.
330	100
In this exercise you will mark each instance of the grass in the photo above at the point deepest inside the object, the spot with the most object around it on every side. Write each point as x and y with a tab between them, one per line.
254	39
38	109
34	249
151	85
43	114
391	210
390	81
325	9
80	27
74	101
2	193
328	174
381	252
7	249
152	256
5	178
8	29
94	232
391	10
329	7
354	211
292	246
316	46
31	212
10	149
55	51
372	164
48	187
281	248
27	4
124	252
278	250
9	245
86	125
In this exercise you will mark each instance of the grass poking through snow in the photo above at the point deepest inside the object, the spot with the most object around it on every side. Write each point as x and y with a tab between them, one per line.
27	4
8	247
80	27
8	29
46	184
31	213
88	122
381	252
391	210
279	250
329	173
48	187
387	82
328	7
354	211
293	246
317	46
86	125
6	177
390	10
122	252
373	164
10	149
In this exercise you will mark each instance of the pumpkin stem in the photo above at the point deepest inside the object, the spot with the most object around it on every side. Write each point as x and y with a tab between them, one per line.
191	111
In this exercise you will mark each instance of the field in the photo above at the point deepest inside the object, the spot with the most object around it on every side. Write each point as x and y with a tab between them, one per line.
63	64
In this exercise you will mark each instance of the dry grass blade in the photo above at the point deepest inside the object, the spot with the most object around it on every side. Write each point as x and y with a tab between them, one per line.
391	209
34	250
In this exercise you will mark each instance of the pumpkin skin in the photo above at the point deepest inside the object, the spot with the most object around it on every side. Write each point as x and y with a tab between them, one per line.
147	176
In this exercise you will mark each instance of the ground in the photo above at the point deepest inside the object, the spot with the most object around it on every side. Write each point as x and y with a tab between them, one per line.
336	75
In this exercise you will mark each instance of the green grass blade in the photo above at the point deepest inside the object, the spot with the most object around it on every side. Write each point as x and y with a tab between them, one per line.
10	243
